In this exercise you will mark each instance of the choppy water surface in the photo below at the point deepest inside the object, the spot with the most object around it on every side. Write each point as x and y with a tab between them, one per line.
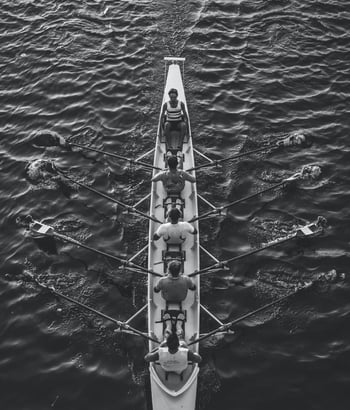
255	71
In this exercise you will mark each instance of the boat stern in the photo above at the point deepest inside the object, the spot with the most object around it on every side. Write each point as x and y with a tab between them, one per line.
174	394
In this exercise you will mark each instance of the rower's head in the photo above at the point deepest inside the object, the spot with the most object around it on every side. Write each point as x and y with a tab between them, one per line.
173	94
173	163
174	215
174	268
173	343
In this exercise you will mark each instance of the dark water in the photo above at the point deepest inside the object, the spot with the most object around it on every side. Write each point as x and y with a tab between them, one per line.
255	71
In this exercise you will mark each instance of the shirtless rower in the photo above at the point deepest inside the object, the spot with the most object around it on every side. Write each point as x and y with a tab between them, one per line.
174	288
173	179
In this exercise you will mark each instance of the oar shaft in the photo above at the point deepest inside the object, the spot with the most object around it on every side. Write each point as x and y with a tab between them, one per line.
238	201
82	245
246	153
119	323
271	245
107	255
202	216
247	315
233	157
246	198
82	305
262	308
243	255
113	155
109	198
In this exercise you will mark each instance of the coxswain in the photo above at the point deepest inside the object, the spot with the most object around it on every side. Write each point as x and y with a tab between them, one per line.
174	118
175	231
173	357
173	179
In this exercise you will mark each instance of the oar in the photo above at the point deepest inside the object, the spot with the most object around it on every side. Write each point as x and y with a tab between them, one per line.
113	155
218	210
109	198
60	141
312	229
289	141
122	325
227	326
39	229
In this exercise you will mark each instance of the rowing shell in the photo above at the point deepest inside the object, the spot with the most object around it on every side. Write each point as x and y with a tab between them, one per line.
170	392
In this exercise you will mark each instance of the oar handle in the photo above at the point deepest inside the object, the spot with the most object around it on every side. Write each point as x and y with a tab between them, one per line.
113	155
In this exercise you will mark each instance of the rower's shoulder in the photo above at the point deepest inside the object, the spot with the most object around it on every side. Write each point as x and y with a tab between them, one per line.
159	176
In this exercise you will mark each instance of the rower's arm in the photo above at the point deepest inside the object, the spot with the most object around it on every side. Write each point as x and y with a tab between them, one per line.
191	229
158	233
183	107
191	285
163	117
194	357
157	177
152	357
157	288
188	177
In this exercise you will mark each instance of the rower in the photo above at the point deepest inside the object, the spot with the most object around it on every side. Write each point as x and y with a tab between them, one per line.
174	120
174	232
174	288
173	357
173	180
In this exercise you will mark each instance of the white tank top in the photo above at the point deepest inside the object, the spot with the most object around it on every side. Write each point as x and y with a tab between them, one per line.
176	363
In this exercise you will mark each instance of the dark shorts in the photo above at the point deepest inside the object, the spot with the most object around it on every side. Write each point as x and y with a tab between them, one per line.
175	125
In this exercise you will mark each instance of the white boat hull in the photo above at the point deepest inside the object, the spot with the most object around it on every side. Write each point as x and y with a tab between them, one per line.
173	392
